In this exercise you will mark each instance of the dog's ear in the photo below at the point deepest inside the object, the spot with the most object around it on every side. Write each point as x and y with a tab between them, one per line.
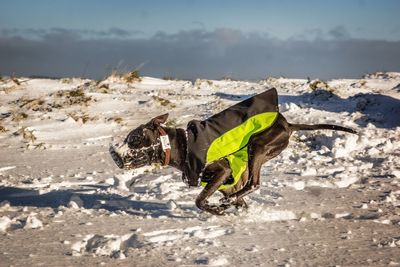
157	121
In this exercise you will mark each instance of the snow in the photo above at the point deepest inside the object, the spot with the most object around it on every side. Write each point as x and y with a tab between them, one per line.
330	198
266	215
117	246
210	232
33	223
98	245
220	261
5	222
3	169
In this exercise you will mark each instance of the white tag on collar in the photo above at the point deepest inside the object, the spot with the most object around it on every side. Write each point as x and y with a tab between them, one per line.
165	142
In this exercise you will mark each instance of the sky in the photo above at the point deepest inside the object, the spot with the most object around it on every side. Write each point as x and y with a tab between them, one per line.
200	39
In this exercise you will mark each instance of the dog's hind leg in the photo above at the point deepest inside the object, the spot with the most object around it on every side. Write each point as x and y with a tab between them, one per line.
252	185
262	148
217	174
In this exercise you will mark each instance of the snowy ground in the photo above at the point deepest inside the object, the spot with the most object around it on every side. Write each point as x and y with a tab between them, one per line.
330	198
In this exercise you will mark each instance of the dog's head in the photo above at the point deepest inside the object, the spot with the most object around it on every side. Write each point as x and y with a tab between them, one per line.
141	147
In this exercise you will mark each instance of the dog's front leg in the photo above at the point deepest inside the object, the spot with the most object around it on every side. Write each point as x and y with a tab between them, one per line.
217	173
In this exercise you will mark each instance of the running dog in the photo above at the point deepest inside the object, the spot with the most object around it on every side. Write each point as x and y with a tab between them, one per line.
224	152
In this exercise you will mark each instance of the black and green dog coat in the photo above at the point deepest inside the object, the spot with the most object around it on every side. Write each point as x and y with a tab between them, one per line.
227	134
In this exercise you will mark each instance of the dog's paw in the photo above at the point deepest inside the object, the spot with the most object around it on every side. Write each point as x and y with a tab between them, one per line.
226	201
240	204
216	209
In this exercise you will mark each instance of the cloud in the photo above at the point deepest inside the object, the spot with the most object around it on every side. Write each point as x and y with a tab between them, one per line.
193	54
199	24
339	32
30	33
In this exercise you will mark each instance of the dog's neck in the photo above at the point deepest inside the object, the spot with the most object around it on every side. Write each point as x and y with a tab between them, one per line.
177	138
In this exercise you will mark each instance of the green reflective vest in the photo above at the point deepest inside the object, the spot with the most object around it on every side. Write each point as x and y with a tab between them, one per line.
233	144
227	134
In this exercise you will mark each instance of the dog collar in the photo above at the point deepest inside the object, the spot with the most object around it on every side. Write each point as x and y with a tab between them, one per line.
165	144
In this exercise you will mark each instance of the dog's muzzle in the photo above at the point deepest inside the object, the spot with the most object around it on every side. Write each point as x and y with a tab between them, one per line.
127	158
116	157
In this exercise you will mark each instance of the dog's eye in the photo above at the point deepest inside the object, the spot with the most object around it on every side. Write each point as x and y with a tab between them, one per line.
134	141
148	137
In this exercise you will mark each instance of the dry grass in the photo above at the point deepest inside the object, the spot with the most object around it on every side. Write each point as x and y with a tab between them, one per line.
34	104
71	97
164	102
61	99
118	120
103	89
30	103
229	78
19	116
37	146
359	84
317	84
169	78
3	129
81	117
16	81
66	80
26	134
129	77
10	89
29	138
133	76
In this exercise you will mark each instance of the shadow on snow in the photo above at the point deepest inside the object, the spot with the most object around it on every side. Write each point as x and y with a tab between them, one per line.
110	202
380	110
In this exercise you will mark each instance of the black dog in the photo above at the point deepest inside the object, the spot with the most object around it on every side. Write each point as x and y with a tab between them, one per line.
186	149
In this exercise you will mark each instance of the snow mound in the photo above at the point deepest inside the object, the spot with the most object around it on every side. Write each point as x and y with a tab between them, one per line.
33	223
175	235
5	222
4	169
107	245
344	147
116	246
219	261
260	214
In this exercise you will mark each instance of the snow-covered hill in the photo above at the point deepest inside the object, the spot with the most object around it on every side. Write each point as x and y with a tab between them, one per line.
330	198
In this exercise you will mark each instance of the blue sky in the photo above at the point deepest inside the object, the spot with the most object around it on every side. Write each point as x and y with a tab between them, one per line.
233	27
368	19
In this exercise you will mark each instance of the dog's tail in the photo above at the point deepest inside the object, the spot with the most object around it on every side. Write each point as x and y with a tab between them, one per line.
307	127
